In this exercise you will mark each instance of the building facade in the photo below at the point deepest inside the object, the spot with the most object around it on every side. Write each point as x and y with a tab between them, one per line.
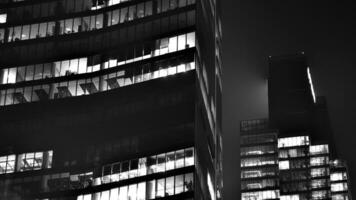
110	99
288	168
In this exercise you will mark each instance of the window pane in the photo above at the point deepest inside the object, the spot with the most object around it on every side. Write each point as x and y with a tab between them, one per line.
34	31
170	186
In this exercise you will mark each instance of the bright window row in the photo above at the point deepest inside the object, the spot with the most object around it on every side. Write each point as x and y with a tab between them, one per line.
319	183
25	162
67	181
338	176
255	173
147	165
260	195
258	184
340	196
89	86
318	172
292	153
88	65
319	149
338	187
289	197
293	141
46	9
146	190
255	139
317	161
79	24
3	18
250	162
258	150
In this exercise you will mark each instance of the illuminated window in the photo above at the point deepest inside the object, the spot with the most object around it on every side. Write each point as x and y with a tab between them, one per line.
283	165
316	161
338	176
269	194
293	141
337	187
340	197
319	149
3	18
289	197
317	172
34	161
169	186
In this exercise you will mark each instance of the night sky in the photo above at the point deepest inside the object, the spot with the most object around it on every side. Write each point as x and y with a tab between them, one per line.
255	29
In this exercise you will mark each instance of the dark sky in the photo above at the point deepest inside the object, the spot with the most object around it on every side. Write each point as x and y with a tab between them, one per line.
255	29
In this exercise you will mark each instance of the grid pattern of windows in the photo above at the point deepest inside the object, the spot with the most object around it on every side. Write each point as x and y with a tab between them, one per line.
147	165
157	188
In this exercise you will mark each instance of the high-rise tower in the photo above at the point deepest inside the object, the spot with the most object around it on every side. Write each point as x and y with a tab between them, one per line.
110	99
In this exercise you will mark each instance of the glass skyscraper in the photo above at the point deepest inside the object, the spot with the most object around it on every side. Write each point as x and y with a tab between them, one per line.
110	99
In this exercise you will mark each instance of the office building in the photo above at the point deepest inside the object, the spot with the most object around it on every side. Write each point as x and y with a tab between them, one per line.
110	99
288	168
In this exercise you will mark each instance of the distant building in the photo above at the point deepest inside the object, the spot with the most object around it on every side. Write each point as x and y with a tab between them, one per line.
288	168
110	100
291	156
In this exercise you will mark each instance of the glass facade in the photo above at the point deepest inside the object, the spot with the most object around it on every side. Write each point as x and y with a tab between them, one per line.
144	61
299	170
94	84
